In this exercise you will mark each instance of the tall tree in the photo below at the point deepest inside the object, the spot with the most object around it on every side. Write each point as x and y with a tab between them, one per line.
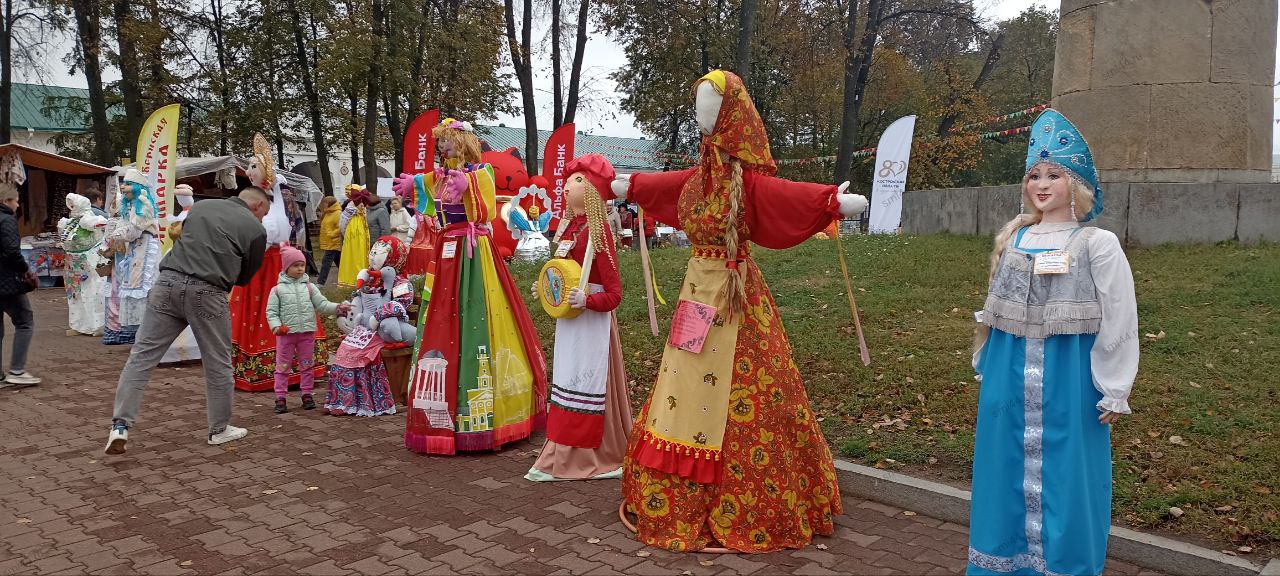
89	34
127	62
746	28
305	66
371	97
575	72
521	60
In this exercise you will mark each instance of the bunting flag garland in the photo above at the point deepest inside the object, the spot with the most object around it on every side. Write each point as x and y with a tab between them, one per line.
1010	116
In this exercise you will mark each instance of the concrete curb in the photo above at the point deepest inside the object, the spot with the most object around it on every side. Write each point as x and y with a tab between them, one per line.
952	505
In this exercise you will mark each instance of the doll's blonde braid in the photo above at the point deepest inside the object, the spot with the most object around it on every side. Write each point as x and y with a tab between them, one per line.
596	222
735	289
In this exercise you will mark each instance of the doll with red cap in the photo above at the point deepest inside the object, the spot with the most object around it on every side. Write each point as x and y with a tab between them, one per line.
358	381
589	414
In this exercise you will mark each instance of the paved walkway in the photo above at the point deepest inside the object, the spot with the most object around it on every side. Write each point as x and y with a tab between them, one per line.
312	494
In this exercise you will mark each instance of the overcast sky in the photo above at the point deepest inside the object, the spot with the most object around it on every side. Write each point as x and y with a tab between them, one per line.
603	56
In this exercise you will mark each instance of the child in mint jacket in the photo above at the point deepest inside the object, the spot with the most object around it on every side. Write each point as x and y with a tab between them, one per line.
291	313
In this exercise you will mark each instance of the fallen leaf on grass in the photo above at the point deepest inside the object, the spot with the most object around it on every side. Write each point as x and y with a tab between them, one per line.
1159	336
270	491
1260	489
1194	385
1176	512
1224	509
593	540
1245	549
1180	441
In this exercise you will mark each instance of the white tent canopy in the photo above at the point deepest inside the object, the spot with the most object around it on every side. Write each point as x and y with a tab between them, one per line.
226	166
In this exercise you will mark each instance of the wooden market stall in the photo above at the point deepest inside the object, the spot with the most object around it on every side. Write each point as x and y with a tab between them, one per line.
42	202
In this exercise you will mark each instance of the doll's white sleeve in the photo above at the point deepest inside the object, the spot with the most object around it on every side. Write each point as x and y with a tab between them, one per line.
1115	353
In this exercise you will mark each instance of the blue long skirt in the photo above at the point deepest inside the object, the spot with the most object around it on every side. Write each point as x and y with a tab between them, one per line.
1041	462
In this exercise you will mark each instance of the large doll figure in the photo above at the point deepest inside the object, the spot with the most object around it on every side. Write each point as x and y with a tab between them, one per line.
1057	355
727	451
81	236
358	383
253	344
479	368
133	241
354	225
590	415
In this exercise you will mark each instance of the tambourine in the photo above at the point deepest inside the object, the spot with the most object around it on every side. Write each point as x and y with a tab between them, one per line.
558	277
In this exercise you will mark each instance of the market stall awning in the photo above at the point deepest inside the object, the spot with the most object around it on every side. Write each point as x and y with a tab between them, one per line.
190	167
51	162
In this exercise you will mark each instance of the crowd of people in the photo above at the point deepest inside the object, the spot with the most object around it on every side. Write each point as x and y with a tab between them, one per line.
726	452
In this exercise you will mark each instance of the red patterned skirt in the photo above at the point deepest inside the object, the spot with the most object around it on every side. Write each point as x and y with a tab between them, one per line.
778	487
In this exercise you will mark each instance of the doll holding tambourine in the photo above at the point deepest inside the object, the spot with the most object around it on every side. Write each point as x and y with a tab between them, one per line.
589	417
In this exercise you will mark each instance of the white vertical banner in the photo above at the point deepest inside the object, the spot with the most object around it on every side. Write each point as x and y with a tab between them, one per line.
889	177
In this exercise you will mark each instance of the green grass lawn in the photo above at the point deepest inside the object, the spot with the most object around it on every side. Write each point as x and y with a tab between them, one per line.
1211	379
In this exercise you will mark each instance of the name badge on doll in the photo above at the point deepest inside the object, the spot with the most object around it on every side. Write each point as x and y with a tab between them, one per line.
400	290
563	248
450	249
1053	262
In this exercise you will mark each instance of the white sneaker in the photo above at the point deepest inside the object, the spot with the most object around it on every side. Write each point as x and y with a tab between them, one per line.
227	435
117	439
22	378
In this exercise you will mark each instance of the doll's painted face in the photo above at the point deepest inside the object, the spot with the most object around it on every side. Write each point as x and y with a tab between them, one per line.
706	106
378	255
576	189
257	173
1048	188
129	191
447	147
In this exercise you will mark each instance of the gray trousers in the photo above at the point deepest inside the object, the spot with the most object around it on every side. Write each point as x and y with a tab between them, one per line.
176	301
18	308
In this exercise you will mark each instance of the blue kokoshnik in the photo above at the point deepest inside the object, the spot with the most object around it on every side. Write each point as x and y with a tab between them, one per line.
1055	140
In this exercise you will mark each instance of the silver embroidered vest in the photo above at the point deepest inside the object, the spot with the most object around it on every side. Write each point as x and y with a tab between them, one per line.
1031	305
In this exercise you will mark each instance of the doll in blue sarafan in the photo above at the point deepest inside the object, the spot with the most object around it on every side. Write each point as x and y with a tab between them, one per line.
1057	353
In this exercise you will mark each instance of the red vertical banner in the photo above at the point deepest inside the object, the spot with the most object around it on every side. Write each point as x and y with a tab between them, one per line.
419	144
559	151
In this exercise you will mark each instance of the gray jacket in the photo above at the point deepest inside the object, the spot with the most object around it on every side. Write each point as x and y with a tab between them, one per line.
379	221
222	243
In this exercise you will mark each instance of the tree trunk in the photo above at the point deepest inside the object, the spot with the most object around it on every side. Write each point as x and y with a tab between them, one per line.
354	141
575	74
557	93
521	62
857	67
313	101
6	70
129	81
993	57
88	30
391	105
224	91
742	62
371	99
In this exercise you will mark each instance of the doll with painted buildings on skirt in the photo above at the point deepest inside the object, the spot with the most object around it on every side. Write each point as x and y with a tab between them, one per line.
589	417
727	451
1057	355
479	376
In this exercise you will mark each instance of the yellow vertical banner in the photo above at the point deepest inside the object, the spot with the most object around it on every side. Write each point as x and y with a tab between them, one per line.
157	159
